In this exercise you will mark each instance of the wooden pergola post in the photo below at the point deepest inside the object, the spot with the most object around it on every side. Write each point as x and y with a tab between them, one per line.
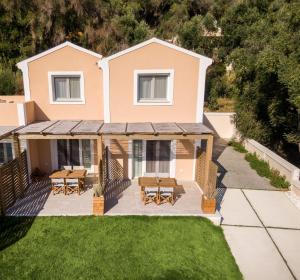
16	146
209	149
17	150
98	202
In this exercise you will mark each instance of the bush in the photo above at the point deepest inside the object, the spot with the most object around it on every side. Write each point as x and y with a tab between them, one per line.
263	169
7	82
237	146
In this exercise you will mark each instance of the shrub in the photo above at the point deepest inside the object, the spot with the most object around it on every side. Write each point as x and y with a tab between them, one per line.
263	169
237	146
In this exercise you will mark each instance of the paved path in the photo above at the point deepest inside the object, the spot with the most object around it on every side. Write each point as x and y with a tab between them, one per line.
235	171
262	229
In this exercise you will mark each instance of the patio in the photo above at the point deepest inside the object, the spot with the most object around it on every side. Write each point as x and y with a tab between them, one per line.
123	198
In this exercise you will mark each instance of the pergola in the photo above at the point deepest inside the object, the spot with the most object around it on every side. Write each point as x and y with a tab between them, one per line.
6	131
100	131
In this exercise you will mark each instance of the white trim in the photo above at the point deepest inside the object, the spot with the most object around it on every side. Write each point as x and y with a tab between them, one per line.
58	47
54	154
93	160
130	158
170	87
158	41
51	74
173	159
203	64
219	113
103	64
24	68
21	114
144	158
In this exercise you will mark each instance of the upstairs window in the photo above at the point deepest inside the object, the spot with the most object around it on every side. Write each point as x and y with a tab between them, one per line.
153	88
66	88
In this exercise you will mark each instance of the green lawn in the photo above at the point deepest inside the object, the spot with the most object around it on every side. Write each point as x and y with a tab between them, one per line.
114	248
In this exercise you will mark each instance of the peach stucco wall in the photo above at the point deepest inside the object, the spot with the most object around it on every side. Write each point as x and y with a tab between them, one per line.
9	110
153	56
66	59
12	98
9	114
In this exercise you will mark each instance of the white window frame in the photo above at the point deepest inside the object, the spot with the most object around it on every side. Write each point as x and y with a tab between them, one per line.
7	141
53	74
144	143
54	154
170	86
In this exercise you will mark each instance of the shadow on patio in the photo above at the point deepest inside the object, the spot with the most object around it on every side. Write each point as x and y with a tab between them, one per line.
128	201
39	201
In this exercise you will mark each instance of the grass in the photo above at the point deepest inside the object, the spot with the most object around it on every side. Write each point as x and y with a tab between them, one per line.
114	248
261	167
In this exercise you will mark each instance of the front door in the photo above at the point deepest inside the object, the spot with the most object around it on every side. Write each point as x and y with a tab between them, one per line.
158	157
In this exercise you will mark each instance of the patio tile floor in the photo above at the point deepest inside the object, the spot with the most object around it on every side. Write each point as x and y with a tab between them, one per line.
126	200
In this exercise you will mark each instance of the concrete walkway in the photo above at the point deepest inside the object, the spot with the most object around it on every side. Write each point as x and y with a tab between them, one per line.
235	171
262	229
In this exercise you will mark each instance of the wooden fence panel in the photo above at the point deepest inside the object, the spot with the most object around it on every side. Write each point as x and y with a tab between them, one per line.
200	168
14	180
210	187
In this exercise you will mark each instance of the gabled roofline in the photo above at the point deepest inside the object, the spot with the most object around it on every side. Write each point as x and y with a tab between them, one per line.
65	44
161	42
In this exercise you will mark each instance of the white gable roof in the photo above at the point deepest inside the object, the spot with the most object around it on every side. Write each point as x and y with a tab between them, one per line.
161	42
65	44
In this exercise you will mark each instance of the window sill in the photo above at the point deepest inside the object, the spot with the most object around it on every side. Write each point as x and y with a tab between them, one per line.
154	103
68	102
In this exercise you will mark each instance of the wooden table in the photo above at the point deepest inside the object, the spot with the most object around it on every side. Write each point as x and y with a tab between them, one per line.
157	182
68	174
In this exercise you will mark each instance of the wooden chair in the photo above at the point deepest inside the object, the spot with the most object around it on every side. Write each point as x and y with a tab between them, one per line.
150	194
72	185
166	194
57	185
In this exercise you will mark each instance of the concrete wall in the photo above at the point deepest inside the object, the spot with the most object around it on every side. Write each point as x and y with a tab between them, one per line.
9	114
285	168
221	123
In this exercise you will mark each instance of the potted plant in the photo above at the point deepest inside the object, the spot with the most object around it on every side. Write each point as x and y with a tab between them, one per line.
209	202
98	200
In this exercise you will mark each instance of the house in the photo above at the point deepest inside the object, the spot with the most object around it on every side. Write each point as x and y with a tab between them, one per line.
142	107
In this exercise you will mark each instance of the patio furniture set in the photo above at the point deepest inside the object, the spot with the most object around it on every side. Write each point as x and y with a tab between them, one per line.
158	190
67	181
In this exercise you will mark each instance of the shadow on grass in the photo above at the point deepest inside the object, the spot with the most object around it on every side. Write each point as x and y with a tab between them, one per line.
12	229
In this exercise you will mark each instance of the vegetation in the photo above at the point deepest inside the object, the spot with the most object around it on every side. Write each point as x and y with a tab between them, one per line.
237	146
114	248
254	44
261	167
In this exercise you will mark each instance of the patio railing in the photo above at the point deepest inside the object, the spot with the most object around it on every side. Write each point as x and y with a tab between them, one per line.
14	181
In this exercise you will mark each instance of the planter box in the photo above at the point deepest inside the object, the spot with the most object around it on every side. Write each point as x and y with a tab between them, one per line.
98	206
208	205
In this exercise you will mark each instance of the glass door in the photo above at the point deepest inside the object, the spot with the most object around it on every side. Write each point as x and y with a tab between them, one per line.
137	158
158	156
